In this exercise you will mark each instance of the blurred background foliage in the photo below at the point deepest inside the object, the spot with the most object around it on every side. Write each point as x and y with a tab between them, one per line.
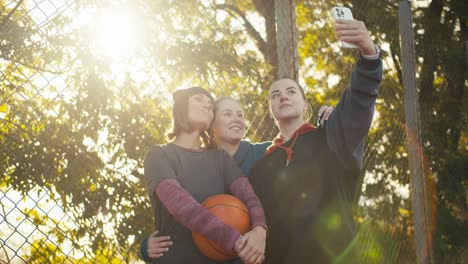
85	90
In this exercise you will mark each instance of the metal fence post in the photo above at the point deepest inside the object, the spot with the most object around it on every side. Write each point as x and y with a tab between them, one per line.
419	194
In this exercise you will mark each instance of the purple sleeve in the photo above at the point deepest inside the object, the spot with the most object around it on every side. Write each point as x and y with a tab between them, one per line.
187	211
242	189
350	121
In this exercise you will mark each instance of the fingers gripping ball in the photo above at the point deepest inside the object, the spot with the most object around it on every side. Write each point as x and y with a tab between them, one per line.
234	213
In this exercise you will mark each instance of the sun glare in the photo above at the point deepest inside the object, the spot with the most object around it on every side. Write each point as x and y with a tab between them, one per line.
116	34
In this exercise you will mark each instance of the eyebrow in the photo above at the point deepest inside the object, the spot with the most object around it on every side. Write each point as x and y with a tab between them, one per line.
272	92
287	89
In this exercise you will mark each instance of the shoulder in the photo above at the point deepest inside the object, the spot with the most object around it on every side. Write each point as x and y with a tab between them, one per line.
317	132
155	151
260	148
252	150
261	145
245	144
156	148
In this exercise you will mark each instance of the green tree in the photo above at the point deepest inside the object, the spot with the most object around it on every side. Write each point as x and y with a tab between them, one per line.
441	41
84	139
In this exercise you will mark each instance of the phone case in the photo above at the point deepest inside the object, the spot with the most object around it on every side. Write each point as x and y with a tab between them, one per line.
343	13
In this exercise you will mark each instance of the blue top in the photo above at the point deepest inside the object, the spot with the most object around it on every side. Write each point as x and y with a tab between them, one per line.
248	153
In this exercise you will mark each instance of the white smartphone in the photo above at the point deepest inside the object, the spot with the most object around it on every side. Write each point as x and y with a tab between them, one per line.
343	13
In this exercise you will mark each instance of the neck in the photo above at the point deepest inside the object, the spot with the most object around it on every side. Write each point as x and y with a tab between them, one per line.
288	127
229	147
188	140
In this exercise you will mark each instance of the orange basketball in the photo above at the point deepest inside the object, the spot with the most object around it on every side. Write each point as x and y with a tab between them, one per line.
234	213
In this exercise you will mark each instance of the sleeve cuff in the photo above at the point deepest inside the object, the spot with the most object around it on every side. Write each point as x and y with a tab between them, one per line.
262	226
372	57
231	241
144	251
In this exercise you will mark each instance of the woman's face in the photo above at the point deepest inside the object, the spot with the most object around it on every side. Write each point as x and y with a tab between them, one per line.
229	123
200	111
286	101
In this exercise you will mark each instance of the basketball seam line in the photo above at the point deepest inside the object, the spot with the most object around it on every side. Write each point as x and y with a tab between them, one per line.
214	206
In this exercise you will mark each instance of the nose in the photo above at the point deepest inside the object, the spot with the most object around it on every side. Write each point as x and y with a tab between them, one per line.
283	97
207	105
237	119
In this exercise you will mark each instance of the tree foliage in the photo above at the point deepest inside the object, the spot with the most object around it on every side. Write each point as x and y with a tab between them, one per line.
75	126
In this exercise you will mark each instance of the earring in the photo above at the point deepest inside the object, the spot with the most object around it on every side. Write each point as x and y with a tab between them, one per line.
308	113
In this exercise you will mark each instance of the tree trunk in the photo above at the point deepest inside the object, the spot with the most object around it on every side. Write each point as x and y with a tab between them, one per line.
286	38
270	25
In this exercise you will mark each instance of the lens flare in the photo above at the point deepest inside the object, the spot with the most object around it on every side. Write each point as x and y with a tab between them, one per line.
116	34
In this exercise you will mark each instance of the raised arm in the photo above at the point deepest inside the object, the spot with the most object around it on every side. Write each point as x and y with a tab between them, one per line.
350	121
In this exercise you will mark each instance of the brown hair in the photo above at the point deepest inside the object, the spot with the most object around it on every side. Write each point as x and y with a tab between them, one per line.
180	120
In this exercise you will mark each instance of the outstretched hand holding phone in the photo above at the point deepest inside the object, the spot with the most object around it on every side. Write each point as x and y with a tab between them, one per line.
353	33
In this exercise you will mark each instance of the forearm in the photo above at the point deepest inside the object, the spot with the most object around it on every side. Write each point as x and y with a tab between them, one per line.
242	189
190	213
350	121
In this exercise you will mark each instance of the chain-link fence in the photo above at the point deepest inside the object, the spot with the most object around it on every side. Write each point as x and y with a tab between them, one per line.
75	125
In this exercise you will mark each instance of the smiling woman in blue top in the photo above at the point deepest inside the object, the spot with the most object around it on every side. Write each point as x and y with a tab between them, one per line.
228	130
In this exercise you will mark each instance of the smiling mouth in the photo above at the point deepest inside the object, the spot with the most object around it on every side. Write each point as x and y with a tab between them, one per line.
205	112
285	105
235	128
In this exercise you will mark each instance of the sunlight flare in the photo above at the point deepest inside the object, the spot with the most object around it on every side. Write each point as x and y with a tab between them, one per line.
116	34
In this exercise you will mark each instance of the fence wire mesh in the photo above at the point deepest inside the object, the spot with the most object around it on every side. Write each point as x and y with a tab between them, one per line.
74	129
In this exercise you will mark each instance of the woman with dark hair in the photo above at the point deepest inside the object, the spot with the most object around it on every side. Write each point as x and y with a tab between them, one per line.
181	174
308	180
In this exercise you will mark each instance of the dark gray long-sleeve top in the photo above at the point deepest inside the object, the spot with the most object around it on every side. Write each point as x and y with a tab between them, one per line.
308	203
350	121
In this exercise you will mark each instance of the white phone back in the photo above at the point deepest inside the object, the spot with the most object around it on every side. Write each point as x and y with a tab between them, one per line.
343	13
